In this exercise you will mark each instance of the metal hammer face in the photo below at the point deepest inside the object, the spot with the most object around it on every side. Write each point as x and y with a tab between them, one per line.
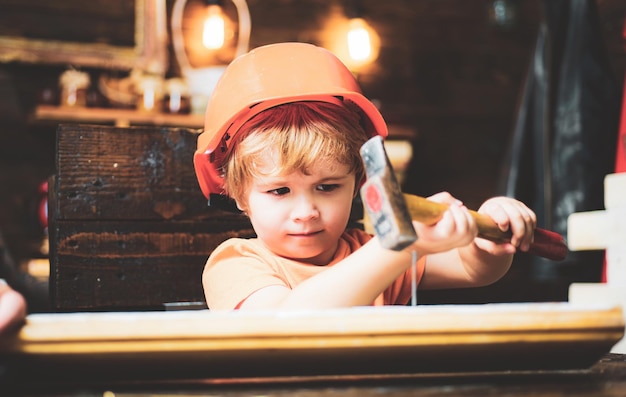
383	199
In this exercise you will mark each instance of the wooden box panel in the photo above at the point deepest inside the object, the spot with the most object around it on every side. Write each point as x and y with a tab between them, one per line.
132	265
129	227
127	173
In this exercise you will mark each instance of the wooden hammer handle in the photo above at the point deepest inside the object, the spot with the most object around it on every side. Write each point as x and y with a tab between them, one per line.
546	243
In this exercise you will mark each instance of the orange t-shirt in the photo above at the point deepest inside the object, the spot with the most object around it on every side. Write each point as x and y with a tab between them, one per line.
239	267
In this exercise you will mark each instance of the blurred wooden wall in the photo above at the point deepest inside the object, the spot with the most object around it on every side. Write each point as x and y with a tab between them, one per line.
444	71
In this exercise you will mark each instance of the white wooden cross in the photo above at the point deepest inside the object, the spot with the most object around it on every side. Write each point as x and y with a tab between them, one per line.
597	230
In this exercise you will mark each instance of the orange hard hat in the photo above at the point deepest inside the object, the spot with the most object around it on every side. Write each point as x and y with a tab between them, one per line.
269	76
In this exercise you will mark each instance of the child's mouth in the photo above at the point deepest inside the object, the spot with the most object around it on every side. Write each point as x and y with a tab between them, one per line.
305	234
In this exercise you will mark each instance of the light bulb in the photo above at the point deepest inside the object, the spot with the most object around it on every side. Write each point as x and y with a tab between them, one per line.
359	41
214	28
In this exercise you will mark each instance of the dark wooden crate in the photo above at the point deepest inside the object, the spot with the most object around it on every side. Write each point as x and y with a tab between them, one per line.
129	226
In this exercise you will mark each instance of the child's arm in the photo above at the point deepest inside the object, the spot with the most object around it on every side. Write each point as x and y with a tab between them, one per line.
356	281
456	258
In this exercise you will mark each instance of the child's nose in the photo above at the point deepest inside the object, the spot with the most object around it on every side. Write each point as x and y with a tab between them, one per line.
304	208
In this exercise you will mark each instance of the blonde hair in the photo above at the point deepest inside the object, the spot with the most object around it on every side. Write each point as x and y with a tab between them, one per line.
299	134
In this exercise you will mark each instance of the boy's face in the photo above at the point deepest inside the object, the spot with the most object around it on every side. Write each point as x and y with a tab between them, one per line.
301	216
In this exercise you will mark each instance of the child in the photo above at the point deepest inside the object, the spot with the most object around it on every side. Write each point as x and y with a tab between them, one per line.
282	136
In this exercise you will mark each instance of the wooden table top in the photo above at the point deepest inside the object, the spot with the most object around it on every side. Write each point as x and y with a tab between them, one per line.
471	350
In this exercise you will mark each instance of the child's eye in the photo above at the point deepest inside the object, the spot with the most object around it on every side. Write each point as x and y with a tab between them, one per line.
280	191
327	187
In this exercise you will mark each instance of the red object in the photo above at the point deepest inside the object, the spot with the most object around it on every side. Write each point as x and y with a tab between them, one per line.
620	157
43	205
373	199
620	160
548	244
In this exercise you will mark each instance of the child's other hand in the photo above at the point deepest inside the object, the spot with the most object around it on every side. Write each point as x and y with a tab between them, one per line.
456	228
12	307
511	214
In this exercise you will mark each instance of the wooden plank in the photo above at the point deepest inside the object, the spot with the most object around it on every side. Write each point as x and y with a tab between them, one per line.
615	191
585	231
616	265
126	284
597	230
143	239
594	230
602	294
116	116
127	173
104	265
427	339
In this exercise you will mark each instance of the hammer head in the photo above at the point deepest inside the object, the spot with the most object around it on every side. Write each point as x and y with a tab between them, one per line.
383	199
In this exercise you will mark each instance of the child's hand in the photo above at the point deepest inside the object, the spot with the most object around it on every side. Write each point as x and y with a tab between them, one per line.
511	214
456	228
12	307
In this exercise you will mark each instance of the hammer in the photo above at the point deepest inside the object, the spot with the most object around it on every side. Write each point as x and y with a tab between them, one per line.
392	211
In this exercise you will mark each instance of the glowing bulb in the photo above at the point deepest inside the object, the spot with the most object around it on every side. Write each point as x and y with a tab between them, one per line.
214	29
359	42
